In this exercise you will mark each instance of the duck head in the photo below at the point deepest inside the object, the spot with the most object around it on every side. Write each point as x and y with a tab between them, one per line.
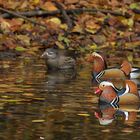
59	59
49	53
98	62
119	91
110	94
107	94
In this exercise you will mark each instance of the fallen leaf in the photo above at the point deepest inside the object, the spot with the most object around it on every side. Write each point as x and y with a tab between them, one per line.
82	114
20	49
55	20
61	46
38	121
25	39
134	6
49	6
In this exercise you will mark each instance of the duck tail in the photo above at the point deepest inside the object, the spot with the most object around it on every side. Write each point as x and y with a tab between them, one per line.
126	67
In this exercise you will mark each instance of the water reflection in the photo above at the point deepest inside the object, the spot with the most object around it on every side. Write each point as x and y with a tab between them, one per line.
127	114
56	78
30	110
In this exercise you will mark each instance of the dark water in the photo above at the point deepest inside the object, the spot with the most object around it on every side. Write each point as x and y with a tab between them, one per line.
36	105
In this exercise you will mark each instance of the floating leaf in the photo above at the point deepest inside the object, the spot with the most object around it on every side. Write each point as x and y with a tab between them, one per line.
83	114
5	66
20	80
28	94
39	99
12	100
38	121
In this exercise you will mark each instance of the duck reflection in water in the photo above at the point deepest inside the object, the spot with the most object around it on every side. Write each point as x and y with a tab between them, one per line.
107	114
56	78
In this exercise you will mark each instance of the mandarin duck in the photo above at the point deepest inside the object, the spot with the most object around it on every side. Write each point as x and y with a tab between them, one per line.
108	93
59	59
100	71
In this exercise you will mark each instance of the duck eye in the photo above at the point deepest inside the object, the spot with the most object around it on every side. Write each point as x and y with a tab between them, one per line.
50	53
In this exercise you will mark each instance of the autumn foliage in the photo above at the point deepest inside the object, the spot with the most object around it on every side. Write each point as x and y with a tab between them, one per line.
103	24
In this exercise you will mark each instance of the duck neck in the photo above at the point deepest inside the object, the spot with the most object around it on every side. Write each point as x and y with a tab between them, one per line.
98	66
122	91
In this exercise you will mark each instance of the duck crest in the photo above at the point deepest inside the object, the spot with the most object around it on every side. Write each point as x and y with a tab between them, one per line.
126	67
99	63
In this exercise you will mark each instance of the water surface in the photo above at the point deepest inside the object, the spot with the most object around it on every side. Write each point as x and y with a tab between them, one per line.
35	104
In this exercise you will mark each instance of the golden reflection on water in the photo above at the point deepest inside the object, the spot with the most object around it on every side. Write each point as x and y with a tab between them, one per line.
37	105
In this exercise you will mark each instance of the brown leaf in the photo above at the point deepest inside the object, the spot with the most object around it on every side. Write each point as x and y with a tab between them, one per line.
4	25
16	24
99	39
71	1
10	43
49	6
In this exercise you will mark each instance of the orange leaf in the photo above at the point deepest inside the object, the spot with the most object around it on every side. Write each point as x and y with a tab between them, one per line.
49	6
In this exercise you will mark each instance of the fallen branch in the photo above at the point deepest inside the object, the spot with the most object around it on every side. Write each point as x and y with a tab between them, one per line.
65	15
68	11
21	16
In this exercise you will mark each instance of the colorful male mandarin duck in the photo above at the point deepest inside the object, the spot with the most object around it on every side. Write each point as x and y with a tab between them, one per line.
59	59
110	94
100	71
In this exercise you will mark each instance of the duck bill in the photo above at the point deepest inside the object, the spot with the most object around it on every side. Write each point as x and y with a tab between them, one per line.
44	55
98	91
97	115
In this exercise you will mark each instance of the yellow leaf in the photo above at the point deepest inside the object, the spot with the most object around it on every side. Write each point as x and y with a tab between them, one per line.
129	22
25	39
36	1
64	26
82	114
92	31
6	66
28	94
38	121
55	20
39	99
60	45
130	57
93	46
77	29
